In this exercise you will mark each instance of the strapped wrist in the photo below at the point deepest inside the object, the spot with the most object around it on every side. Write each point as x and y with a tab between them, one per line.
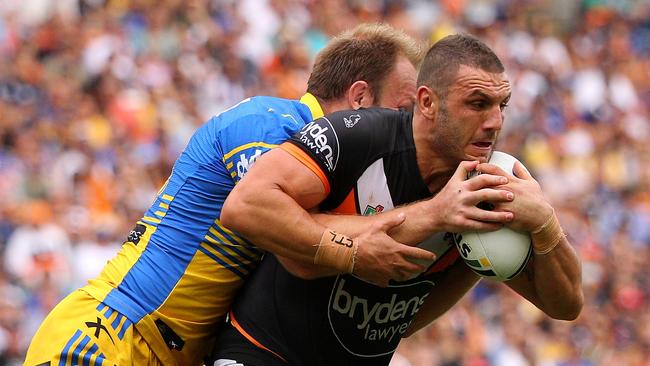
336	250
547	236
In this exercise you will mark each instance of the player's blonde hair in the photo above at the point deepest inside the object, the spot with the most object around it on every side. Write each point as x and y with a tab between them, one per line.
367	52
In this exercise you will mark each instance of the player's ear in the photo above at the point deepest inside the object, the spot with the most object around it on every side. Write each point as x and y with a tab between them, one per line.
359	95
427	101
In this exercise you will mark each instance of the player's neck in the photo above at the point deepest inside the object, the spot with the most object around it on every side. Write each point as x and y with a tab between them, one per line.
331	106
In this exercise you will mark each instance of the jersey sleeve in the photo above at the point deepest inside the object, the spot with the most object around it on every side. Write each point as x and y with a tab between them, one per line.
340	146
252	129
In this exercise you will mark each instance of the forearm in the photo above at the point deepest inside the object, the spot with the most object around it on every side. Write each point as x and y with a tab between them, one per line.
553	282
252	214
412	231
418	225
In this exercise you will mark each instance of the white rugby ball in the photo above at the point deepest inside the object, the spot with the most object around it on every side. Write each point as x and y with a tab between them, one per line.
499	255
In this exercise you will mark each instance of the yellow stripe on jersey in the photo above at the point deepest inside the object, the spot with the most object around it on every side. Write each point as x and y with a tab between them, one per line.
229	165
160	213
167	197
247	146
230	233
225	258
219	236
164	205
244	248
151	219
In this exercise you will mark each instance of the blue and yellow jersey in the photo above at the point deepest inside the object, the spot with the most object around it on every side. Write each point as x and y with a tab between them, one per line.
180	268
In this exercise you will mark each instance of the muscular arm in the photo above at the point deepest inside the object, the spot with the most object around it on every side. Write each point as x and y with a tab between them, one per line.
552	281
268	208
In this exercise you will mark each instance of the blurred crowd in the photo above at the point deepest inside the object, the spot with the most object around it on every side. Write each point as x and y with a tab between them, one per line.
98	98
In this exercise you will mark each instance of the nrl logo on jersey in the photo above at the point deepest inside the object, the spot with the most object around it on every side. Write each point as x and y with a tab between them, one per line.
373	210
352	120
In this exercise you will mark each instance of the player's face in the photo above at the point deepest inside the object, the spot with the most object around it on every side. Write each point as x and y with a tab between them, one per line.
470	117
398	90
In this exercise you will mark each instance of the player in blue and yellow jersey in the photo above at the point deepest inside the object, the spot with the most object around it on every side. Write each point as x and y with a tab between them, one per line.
161	299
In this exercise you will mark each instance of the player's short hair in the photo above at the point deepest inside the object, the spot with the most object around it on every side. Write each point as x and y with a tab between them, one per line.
442	61
367	52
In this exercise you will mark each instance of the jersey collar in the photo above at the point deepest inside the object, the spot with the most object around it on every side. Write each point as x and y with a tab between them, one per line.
310	100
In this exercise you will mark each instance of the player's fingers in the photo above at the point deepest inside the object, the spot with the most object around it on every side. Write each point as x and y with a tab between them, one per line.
481	216
492	195
521	172
485	168
486	180
463	170
415	253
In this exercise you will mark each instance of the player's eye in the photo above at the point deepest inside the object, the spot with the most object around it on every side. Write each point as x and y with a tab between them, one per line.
479	104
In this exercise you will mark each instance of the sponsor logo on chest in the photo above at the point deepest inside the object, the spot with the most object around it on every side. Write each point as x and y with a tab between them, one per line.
370	321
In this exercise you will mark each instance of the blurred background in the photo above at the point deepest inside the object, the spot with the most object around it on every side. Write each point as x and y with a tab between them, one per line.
98	98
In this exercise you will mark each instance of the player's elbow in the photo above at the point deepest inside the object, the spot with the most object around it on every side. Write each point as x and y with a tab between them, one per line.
575	309
571	309
233	213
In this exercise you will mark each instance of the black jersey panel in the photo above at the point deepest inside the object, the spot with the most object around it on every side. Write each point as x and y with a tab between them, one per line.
344	143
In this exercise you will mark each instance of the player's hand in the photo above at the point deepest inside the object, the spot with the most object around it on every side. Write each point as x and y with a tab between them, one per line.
456	203
381	259
530	208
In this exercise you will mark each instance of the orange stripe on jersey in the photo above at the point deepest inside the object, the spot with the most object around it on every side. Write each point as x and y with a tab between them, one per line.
349	204
250	338
297	153
448	258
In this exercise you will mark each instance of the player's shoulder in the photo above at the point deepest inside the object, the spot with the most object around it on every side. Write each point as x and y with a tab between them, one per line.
264	108
373	117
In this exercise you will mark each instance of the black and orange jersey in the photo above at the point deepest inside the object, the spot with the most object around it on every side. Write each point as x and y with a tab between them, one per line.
366	160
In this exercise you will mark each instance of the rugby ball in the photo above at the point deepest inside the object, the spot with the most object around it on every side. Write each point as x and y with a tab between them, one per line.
498	255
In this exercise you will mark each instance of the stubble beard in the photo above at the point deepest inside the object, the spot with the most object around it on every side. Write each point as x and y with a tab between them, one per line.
446	138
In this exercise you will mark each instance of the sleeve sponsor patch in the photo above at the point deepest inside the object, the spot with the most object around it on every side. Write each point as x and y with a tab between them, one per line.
321	139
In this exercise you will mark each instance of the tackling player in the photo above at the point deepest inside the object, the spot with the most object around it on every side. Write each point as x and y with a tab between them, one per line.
161	299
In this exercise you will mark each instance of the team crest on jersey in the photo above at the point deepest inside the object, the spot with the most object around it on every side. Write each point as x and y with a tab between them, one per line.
373	210
321	139
352	120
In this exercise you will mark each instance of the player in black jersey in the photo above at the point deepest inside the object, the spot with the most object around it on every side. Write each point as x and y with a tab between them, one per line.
377	161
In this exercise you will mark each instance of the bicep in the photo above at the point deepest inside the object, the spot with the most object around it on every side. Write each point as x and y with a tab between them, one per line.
281	171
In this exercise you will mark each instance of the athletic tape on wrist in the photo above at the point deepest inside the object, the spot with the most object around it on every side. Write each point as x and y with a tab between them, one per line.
548	236
337	251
